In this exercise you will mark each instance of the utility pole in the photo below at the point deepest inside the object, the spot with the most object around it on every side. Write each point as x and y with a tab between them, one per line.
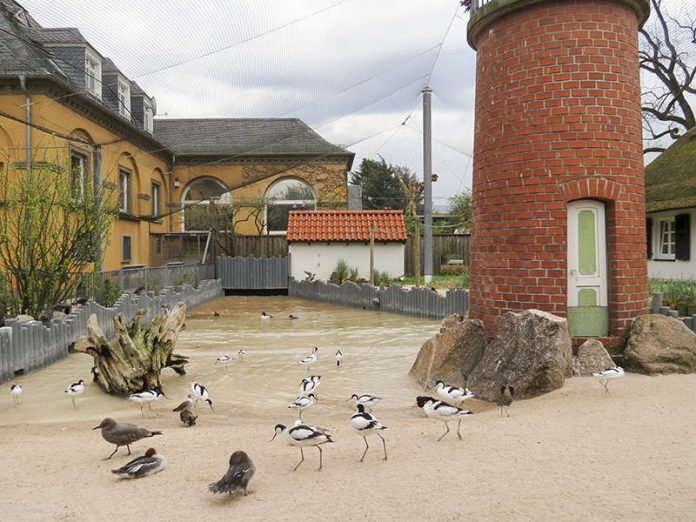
427	188
372	254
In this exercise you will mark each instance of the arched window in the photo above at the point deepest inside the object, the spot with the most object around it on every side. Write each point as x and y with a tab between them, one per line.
206	204
282	197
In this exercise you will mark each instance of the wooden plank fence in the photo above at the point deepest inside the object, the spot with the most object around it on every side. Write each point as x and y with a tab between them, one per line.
253	273
422	302
27	346
451	246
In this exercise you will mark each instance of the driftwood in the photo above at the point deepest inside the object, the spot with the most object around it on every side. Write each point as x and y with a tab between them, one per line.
133	360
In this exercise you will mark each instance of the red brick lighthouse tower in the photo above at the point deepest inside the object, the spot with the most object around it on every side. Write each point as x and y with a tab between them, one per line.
558	192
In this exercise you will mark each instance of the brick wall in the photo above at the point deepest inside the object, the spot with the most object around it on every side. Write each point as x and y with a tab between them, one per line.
557	119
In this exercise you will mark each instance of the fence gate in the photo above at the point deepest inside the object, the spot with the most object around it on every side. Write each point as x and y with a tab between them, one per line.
253	273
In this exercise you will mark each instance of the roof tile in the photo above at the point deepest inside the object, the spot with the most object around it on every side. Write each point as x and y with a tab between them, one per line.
346	225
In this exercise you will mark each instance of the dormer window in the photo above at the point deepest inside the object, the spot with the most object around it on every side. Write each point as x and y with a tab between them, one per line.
124	100
148	117
93	74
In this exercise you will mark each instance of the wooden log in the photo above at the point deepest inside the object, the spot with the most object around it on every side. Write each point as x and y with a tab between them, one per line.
133	360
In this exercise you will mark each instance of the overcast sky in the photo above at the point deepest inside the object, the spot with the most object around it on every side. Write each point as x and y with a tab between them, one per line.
352	69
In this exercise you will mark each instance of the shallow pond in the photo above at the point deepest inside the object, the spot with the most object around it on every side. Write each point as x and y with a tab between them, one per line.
379	350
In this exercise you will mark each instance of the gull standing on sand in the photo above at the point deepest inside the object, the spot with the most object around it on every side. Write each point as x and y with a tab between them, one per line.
453	394
367	424
302	436
507	393
302	403
309	385
607	375
186	414
339	357
123	433
443	412
241	470
310	359
15	392
74	389
364	399
265	316
149	464
145	397
200	393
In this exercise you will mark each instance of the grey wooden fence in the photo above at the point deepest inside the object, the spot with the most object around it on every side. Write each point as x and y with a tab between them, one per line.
658	308
253	273
422	302
26	346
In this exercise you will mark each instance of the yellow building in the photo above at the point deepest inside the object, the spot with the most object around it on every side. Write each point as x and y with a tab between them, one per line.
62	101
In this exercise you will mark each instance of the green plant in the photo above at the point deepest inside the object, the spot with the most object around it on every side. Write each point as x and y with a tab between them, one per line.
185	279
453	269
340	272
154	285
675	292
110	293
382	278
353	274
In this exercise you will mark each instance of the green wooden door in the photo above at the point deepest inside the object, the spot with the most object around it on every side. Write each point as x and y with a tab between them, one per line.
588	311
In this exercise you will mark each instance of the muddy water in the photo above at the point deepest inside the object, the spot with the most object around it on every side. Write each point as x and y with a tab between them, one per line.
379	349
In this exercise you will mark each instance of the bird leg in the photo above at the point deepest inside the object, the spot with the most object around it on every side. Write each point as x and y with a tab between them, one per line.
459	425
367	447
446	432
128	446
300	416
107	458
153	411
384	443
73	403
321	464
605	383
141	409
301	460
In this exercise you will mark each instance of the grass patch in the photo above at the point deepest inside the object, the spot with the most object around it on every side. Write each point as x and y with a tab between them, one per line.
441	281
679	294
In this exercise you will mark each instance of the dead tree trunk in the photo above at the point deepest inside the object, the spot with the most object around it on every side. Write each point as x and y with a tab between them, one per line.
133	360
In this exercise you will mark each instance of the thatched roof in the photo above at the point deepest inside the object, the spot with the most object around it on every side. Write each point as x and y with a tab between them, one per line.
670	180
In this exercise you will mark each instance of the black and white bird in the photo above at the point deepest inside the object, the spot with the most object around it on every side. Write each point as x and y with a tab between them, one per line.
310	359
309	385
364	399
145	397
150	463
265	316
292	317
186	412
241	354
339	357
452	394
240	471
15	392
200	393
609	375
224	360
443	412
505	398
303	402
75	389
366	424
302	436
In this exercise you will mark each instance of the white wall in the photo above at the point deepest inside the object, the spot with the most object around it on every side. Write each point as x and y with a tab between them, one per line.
321	258
672	269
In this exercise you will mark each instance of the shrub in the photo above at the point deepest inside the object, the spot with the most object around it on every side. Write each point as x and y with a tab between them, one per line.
340	272
110	293
453	269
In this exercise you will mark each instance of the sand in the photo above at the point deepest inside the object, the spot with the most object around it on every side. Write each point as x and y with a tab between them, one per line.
575	454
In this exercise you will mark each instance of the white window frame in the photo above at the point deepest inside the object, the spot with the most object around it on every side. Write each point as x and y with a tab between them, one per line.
293	203
93	74
124	99
148	117
666	229
156	198
78	194
225	199
124	184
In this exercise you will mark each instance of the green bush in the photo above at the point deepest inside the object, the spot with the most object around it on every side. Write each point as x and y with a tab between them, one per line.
340	272
453	269
110	293
675	292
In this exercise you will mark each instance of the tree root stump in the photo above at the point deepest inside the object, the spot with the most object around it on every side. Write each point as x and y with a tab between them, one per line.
133	360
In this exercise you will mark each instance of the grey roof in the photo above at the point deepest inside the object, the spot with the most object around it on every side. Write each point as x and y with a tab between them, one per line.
57	35
243	136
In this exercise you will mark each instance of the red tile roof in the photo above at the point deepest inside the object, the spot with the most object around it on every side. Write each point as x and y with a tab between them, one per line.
346	225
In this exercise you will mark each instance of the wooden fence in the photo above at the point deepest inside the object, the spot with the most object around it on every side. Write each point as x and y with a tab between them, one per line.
27	346
253	273
445	248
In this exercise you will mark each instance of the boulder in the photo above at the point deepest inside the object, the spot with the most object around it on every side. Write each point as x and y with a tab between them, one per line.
451	354
660	344
532	353
24	318
592	357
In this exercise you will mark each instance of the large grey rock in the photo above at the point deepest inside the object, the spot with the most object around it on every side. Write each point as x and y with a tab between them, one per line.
532	352
592	357
451	354
660	344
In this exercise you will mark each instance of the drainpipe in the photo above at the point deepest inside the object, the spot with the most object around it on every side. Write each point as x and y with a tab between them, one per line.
98	186
171	193
27	121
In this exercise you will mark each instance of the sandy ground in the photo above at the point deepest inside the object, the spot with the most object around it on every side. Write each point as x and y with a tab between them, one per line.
575	454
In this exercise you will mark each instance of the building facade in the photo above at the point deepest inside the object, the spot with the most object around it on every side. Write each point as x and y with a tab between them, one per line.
63	102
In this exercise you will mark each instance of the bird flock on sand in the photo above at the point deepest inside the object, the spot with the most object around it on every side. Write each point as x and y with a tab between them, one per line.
446	408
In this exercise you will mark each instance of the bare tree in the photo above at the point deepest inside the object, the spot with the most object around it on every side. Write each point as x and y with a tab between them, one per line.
52	224
668	56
